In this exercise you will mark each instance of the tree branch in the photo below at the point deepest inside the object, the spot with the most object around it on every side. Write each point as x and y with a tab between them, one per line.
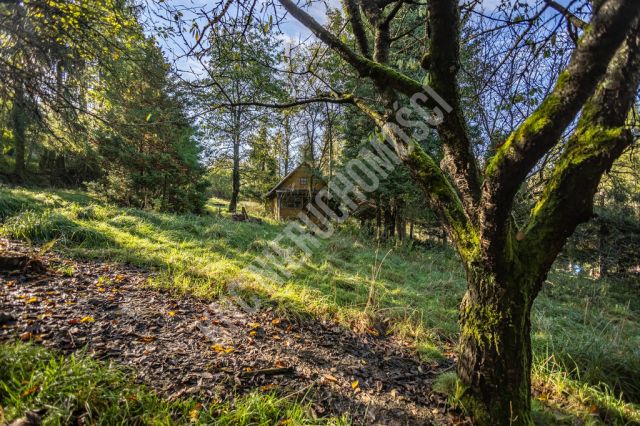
381	74
508	168
353	13
459	161
345	99
577	22
598	140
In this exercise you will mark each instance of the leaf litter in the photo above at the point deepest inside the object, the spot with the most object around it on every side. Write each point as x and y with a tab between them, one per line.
184	346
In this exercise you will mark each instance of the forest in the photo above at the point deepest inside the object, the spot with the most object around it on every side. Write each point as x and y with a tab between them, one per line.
336	212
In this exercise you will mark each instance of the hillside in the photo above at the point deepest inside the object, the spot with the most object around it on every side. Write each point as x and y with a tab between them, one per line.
585	333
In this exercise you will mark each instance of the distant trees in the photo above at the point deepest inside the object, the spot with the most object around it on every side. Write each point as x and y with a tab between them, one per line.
262	169
86	97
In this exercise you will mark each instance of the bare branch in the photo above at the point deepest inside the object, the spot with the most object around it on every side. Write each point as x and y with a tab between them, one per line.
577	22
345	99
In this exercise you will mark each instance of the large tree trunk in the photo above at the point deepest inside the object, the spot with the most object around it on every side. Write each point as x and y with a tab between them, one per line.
495	347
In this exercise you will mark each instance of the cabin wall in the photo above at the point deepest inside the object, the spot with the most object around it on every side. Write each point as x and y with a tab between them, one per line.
289	213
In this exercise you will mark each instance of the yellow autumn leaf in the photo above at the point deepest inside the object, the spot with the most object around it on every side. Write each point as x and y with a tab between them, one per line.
355	384
268	387
172	313
87	319
32	300
222	349
33	389
194	415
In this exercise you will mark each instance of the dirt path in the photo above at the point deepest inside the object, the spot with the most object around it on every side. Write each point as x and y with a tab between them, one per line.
184	346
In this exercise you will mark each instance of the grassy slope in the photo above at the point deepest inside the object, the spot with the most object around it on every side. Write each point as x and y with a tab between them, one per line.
584	332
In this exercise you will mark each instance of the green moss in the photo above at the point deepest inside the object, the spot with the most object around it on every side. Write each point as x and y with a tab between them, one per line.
481	322
587	143
396	79
444	196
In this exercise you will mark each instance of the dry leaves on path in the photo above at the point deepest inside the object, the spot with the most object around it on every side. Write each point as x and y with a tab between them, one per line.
185	346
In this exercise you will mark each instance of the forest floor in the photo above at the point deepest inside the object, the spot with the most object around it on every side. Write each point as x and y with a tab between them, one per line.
215	351
350	291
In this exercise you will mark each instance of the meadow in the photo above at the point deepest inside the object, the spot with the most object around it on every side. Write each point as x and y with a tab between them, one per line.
586	333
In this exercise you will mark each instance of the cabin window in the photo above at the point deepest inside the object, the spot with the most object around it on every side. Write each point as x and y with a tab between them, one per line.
294	201
303	181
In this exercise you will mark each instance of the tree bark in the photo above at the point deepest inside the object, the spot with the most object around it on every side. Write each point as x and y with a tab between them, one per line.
495	347
603	233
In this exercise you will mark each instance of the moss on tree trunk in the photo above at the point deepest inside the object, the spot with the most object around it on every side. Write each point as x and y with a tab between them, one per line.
495	348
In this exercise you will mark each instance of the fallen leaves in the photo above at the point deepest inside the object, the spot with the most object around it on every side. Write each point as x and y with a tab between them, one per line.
30	391
268	387
330	378
222	349
209	344
194	415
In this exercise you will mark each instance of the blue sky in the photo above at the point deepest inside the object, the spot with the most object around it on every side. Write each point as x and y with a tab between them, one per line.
190	68
174	47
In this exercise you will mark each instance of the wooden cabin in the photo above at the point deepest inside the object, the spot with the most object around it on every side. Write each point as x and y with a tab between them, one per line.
290	196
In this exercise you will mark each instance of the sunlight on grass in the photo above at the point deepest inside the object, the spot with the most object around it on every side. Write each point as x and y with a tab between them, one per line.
589	329
78	389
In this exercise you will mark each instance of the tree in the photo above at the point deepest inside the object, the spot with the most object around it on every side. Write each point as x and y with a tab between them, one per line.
505	265
153	160
262	163
92	96
238	74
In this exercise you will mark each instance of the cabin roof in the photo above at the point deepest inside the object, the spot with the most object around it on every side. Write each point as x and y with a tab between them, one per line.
284	179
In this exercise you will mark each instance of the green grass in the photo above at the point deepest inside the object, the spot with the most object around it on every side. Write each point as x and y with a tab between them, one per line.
586	334
79	389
